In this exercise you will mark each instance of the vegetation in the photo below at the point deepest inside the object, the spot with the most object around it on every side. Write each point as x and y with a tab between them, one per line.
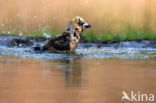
110	19
127	34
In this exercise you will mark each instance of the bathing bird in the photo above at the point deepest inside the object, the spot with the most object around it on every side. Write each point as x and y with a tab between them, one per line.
67	41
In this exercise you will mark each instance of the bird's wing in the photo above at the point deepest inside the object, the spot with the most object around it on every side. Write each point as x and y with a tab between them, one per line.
61	42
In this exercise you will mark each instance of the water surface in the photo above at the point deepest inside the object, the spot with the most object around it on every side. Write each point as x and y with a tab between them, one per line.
73	80
96	73
127	49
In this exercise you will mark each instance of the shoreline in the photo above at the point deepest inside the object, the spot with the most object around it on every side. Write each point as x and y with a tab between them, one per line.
83	40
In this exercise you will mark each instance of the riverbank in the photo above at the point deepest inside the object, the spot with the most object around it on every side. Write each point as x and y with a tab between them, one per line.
126	35
13	40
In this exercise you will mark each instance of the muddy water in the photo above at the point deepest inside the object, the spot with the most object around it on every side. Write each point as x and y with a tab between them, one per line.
74	80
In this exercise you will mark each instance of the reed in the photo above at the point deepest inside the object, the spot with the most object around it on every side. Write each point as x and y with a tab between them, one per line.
109	18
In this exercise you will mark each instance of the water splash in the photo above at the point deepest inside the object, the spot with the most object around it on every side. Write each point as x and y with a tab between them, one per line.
126	50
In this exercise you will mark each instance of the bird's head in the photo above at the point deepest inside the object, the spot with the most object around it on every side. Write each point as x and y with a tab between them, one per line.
77	23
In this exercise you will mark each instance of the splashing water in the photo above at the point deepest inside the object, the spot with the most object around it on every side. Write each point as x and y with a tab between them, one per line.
127	50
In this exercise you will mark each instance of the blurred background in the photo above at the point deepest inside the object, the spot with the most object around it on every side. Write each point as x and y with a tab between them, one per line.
113	16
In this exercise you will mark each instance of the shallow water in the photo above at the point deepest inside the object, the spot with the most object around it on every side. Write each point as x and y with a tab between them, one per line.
127	50
94	74
76	80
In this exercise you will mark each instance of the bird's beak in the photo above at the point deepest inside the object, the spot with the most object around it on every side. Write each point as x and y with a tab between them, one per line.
86	25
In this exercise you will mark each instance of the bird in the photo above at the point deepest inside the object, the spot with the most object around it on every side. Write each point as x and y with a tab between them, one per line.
68	41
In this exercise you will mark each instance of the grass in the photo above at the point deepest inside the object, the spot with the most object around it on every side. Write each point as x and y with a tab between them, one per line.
121	37
128	34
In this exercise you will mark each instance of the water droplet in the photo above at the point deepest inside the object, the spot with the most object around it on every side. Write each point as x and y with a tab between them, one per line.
8	32
46	35
20	34
20	45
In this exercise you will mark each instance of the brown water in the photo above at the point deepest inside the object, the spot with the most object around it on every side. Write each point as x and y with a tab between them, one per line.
76	80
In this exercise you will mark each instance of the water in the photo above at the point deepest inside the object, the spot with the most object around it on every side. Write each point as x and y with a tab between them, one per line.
91	52
76	80
94	74
127	50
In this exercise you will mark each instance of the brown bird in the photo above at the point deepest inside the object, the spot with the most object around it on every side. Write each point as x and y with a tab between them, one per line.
68	40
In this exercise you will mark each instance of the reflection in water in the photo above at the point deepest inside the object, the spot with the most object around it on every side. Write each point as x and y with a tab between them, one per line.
72	70
62	81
